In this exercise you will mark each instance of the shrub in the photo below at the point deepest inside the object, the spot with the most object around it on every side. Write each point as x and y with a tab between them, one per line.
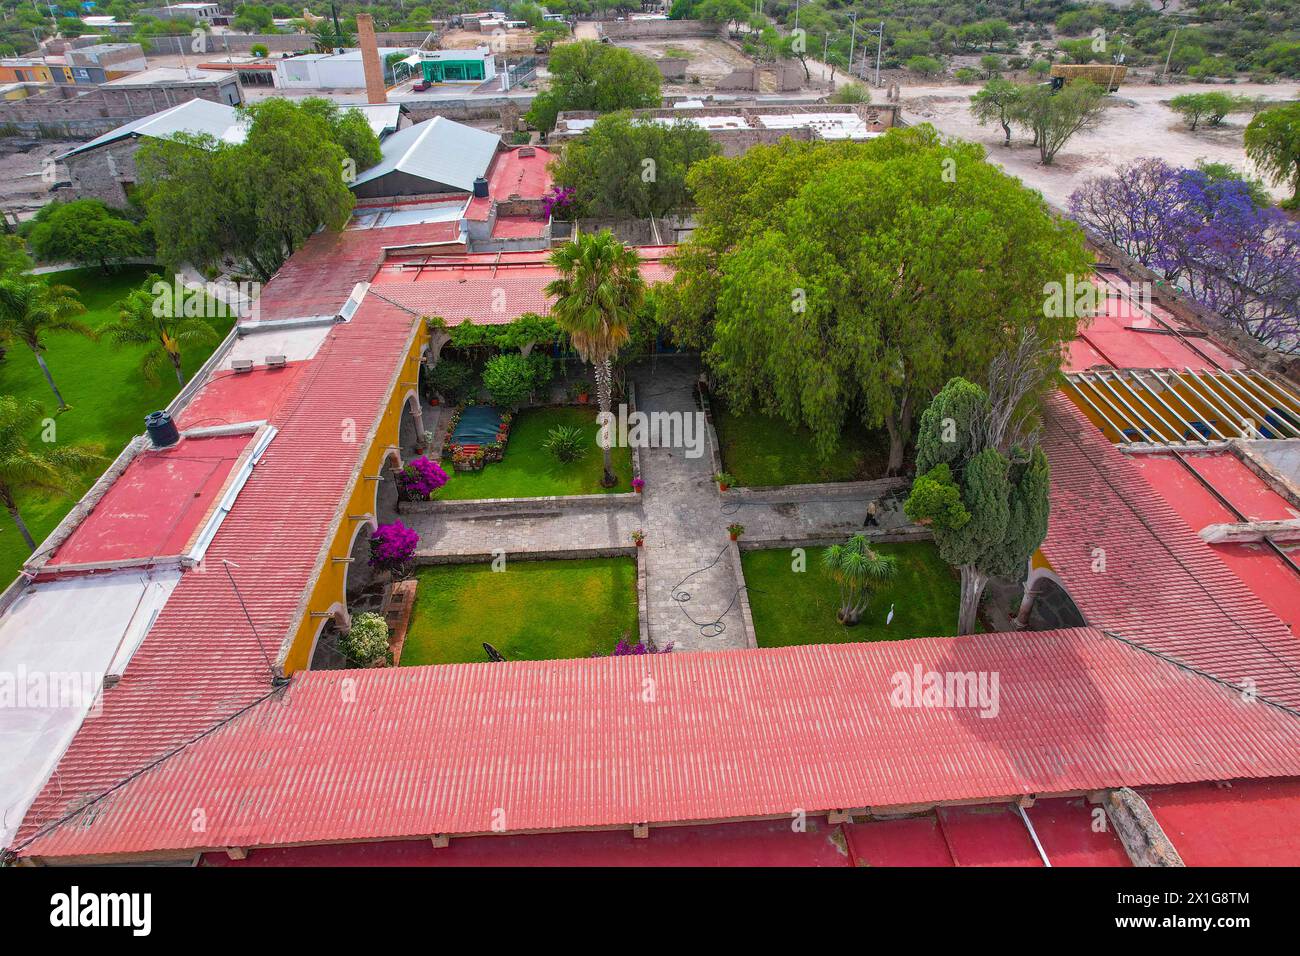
925	65
420	479
566	442
392	546
625	648
258	50
454	381
510	378
367	640
852	92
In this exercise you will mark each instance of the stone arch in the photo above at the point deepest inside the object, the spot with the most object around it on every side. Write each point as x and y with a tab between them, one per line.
350	577
1047	600
410	422
338	615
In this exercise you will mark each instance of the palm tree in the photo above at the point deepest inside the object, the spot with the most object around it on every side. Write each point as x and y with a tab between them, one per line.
51	470
858	571
29	308
144	319
597	294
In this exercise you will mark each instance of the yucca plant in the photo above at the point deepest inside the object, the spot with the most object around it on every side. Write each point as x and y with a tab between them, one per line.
858	571
566	442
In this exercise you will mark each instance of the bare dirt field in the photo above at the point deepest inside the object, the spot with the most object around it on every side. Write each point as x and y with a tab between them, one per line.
507	41
1137	124
708	59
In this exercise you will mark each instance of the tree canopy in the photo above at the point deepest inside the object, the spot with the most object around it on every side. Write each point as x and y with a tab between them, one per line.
87	232
828	282
1273	142
589	75
255	201
626	168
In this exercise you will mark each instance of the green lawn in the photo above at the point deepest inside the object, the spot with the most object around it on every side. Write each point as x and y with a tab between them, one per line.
532	610
530	471
759	450
103	385
792	607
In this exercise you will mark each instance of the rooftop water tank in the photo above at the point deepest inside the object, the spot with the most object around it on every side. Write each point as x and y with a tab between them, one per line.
480	188
162	430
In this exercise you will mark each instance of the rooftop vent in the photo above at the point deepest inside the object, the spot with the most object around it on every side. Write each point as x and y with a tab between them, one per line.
275	361
241	365
527	151
162	430
480	188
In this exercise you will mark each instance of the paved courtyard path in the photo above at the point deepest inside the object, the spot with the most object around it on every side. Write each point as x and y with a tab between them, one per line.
691	585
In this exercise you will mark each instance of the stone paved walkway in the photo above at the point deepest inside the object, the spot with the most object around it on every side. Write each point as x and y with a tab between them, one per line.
684	518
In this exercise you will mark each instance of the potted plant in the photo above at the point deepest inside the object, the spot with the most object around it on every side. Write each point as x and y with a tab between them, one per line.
724	480
579	390
638	538
735	530
638	485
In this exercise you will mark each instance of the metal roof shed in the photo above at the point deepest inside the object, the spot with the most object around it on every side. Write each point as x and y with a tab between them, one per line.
435	156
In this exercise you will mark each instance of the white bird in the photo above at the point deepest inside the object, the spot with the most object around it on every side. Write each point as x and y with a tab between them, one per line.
889	618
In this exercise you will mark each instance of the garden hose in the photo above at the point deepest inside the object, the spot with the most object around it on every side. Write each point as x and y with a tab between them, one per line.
707	628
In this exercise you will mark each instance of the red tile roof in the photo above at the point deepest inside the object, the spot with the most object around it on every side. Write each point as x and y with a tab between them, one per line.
487	288
1160	584
457	749
201	663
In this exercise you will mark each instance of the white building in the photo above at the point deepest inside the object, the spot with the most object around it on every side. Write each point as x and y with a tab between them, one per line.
331	71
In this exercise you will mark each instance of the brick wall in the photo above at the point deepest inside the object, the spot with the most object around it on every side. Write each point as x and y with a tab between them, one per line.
659	29
86	112
102	173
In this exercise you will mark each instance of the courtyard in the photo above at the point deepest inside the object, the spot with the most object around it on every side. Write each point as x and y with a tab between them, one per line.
529	610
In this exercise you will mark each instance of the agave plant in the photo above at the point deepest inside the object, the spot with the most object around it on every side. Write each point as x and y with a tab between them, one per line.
858	571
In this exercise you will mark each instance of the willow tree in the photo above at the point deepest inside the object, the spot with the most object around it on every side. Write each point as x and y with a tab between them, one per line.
829	283
597	295
981	488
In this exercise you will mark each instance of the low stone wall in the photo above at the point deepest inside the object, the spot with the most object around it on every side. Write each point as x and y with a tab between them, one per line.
659	29
485	557
532	506
821	491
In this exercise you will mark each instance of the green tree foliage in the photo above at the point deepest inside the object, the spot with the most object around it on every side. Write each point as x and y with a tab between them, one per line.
987	508
1055	117
925	65
997	102
511	378
836	281
597	296
589	75
30	309
51	470
87	232
148	319
258	200
625	168
348	127
13	255
852	92
1211	107
366	641
1273	142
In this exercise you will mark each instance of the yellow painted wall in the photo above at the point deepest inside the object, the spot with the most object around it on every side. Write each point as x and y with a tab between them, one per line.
38	73
330	587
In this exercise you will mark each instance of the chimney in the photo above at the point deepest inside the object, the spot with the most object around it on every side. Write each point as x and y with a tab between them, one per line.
375	92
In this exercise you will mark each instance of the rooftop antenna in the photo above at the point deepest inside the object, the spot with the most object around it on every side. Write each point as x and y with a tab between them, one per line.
275	681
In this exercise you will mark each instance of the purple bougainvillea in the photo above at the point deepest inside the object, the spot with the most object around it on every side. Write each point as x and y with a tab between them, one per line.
627	649
558	198
420	479
392	546
1207	236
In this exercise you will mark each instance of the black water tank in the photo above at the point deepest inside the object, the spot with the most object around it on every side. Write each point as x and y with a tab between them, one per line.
162	430
480	188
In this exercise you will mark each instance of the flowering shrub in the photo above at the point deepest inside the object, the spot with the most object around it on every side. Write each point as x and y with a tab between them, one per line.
625	648
638	484
367	641
559	197
392	546
420	479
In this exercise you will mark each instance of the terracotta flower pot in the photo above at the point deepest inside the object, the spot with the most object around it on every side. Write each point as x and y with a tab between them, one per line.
723	486
582	397
735	537
640	544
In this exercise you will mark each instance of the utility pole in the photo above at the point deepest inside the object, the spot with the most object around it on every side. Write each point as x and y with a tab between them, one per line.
796	14
853	40
880	38
1170	54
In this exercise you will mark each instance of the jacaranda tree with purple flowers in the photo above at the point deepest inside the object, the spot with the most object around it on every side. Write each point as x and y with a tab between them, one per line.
1207	236
391	548
420	479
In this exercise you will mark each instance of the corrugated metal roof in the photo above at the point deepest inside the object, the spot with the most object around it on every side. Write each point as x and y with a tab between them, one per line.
192	116
1132	565
439	150
473	748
